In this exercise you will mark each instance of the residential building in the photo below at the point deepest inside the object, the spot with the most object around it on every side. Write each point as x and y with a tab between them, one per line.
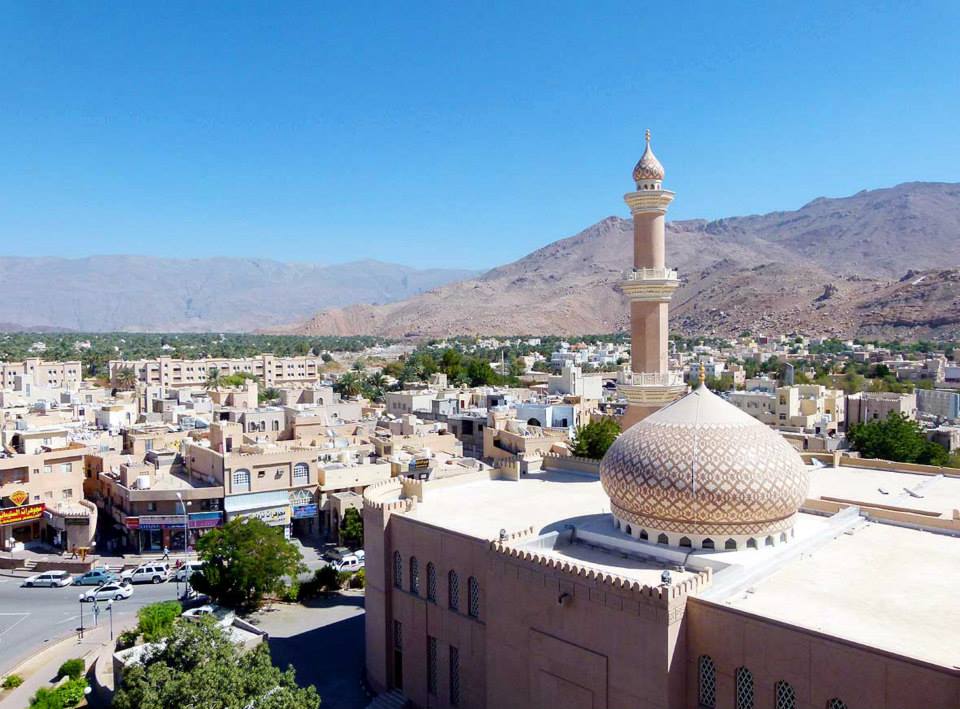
872	406
943	404
271	370
34	372
808	408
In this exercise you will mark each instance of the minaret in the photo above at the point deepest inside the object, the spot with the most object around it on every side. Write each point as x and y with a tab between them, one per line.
649	385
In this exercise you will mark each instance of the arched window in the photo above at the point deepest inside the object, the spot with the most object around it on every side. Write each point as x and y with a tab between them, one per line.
397	570
414	575
685	542
473	597
783	536
751	543
276	425
769	541
431	582
730	544
662	539
301	473
784	696
744	687
836	703
707	543
241	480
629	530
644	535
707	682
453	591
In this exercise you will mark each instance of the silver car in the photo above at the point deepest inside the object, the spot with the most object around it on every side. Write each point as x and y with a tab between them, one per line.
50	579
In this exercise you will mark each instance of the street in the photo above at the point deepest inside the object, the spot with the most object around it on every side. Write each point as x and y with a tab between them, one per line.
33	618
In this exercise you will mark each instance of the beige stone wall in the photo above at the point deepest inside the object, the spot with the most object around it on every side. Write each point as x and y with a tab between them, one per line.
817	666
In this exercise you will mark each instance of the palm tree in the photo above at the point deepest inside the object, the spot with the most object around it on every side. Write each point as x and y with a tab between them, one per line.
348	385
214	380
125	378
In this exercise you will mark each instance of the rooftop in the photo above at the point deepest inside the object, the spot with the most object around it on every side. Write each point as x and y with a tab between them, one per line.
931	493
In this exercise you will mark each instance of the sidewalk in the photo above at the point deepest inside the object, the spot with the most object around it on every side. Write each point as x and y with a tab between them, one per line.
41	669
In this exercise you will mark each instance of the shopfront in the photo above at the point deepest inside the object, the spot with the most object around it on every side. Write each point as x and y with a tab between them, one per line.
19	523
272	508
303	508
153	533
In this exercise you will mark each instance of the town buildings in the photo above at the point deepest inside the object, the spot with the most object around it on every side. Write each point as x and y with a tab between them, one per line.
271	370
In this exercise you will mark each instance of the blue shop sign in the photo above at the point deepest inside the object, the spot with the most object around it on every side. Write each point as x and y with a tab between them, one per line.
304	511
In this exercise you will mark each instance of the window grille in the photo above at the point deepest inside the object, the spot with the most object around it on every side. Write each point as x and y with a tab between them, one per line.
241	480
301	473
414	575
707	685
744	688
454	677
397	570
784	696
431	582
453	591
397	635
473	597
431	665
836	703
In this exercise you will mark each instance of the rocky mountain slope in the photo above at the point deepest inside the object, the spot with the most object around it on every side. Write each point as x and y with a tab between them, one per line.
143	293
833	266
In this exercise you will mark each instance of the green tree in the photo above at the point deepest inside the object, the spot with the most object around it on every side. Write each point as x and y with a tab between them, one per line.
351	528
200	667
125	378
214	379
349	385
155	621
244	560
593	439
896	438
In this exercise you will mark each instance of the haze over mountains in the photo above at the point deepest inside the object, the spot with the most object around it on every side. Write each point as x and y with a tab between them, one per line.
881	263
145	293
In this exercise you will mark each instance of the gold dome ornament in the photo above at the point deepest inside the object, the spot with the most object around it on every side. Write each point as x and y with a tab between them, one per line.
648	168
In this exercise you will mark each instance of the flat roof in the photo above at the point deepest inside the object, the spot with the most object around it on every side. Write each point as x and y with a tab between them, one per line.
538	500
936	493
888	587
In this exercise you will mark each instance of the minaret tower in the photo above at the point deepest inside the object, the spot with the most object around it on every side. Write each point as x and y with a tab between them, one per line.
649	385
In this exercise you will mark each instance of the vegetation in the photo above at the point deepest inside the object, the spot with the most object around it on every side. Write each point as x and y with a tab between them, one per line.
127	639
125	379
156	620
72	668
593	439
351	528
11	681
68	694
243	561
896	438
200	667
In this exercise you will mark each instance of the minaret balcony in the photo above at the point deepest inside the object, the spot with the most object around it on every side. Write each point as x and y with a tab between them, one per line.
651	388
656	284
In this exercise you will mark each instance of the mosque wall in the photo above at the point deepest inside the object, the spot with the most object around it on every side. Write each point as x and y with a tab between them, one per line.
818	668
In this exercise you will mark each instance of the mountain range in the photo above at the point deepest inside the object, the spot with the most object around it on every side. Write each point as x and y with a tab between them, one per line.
151	294
881	263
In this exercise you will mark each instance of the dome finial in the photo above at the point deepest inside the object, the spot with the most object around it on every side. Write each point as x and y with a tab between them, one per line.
648	169
703	375
648	136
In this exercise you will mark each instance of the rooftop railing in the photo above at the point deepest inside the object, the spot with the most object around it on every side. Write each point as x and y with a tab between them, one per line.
650	274
651	378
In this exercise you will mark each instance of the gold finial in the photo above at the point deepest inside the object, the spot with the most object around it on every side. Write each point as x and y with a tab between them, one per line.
648	136
703	374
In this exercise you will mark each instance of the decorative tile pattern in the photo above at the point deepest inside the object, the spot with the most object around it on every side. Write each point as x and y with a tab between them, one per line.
718	478
648	168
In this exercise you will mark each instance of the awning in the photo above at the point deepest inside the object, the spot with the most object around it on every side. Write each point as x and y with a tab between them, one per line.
255	501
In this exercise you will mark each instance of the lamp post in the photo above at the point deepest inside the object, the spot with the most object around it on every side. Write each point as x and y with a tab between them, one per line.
110	608
185	526
81	616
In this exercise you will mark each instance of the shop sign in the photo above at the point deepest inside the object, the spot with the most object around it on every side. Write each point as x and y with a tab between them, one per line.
77	521
132	523
304	511
18	497
205	520
419	464
13	515
275	516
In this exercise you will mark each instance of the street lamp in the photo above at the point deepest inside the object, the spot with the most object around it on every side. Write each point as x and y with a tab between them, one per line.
185	526
81	616
110	608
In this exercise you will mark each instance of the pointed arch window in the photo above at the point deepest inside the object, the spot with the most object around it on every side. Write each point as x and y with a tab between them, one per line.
453	591
784	696
414	575
431	582
397	570
744	688
707	682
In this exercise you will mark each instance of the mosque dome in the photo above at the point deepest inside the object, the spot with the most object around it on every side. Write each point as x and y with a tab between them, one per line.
702	473
648	168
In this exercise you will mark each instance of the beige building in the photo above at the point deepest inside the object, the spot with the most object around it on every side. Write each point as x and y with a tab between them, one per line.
805	408
271	370
867	406
34	372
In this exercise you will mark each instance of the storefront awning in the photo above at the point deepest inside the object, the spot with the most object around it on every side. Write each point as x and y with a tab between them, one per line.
255	501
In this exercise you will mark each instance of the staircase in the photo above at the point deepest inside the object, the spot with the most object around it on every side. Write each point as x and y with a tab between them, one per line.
393	699
29	564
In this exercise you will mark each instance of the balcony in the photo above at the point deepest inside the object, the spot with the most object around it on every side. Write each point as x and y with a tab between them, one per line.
651	379
651	274
650	284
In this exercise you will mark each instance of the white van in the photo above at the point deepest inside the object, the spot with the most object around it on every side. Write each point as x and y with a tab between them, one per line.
350	562
150	572
187	570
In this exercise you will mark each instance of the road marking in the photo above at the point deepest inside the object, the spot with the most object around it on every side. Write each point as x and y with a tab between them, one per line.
23	617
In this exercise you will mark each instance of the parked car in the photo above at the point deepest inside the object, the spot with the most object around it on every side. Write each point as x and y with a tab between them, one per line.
150	572
109	592
336	553
187	570
96	577
49	578
222	616
351	562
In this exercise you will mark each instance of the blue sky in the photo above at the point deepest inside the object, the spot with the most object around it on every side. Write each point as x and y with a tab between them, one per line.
448	134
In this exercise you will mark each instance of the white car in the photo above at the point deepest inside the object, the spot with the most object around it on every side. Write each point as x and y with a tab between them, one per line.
223	616
351	562
150	572
187	570
49	578
109	592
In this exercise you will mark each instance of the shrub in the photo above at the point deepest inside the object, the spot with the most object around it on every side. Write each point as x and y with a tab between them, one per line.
290	593
343	578
12	681
127	639
359	579
72	668
327	578
156	619
68	694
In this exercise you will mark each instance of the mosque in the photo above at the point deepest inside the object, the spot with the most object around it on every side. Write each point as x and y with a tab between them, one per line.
705	565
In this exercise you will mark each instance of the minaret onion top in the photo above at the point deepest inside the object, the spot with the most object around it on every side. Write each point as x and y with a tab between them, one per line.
649	168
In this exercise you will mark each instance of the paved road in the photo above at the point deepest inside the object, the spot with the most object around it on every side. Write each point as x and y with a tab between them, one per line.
33	618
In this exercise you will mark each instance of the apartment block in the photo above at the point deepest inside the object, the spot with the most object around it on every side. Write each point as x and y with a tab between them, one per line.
271	370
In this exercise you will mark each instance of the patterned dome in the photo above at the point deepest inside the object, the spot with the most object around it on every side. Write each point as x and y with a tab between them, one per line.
704	468
649	168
